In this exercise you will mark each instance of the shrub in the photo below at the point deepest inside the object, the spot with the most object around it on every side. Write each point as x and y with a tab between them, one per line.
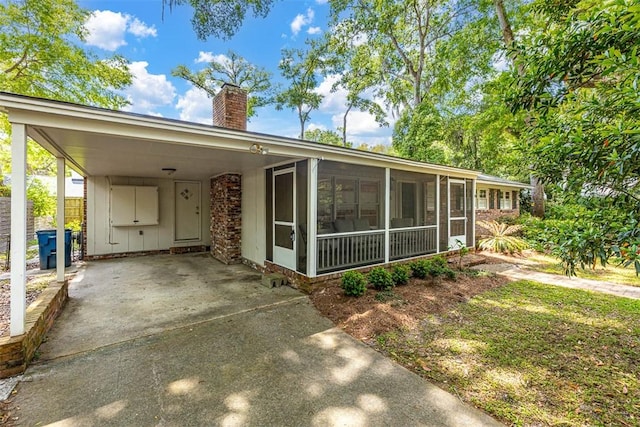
354	283
381	279
501	238
420	269
400	275
438	266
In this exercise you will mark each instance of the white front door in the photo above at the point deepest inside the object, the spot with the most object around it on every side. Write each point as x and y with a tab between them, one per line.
457	214
284	225
187	220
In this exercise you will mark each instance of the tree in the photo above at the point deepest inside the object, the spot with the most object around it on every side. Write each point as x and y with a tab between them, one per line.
299	67
39	58
323	136
579	84
220	18
233	69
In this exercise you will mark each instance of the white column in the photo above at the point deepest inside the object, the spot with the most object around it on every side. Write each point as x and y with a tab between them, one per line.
473	213
438	225
312	217
387	212
18	228
60	240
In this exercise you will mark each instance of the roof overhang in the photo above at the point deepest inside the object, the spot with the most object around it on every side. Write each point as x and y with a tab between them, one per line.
100	142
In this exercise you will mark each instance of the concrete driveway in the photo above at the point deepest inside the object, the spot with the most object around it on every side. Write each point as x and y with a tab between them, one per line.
186	341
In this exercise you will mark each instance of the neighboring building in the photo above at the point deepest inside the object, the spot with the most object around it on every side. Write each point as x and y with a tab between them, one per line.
495	198
279	204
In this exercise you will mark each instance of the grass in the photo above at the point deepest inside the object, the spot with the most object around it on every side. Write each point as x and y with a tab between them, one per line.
532	354
611	273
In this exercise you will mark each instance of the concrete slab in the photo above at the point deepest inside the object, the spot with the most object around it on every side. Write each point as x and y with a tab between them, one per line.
267	359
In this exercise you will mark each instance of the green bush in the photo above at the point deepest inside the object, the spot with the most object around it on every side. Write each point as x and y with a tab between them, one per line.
438	266
420	269
354	283
380	279
400	275
501	237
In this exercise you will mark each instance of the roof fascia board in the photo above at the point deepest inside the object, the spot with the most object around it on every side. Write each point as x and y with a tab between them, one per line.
45	113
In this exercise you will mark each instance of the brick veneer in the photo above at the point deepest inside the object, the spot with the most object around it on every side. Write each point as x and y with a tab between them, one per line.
83	253
226	218
17	352
230	108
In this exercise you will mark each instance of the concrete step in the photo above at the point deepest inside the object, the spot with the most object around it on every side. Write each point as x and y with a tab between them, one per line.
274	280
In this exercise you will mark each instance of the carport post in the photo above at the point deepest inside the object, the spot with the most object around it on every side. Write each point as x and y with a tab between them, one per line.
18	228
60	237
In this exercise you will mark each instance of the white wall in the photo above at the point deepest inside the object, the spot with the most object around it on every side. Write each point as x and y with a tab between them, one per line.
103	239
253	216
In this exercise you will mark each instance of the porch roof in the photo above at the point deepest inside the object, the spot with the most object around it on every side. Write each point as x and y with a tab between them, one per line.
102	142
484	179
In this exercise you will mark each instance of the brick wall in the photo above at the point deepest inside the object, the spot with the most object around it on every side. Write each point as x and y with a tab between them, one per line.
226	218
17	352
230	108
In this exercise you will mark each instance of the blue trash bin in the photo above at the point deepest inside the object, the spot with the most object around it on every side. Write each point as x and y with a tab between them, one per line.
47	248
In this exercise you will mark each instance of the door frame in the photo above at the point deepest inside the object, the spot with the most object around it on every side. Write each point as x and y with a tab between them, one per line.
289	255
451	242
175	210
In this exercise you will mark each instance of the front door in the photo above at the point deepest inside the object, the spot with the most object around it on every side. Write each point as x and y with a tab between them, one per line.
284	226
457	214
187	220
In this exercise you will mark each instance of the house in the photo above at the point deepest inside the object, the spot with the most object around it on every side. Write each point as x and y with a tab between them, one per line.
155	185
497	198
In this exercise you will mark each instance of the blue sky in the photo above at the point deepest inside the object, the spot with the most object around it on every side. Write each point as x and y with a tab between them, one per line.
154	46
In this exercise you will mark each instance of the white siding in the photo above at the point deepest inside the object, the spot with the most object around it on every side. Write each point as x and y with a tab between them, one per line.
103	239
253	216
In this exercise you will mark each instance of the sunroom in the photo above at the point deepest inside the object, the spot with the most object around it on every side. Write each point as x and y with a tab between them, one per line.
328	216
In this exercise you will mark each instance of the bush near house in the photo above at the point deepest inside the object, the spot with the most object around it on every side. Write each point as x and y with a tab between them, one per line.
354	283
502	237
381	279
400	275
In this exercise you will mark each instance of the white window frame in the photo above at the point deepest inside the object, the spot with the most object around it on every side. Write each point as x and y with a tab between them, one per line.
505	200
480	199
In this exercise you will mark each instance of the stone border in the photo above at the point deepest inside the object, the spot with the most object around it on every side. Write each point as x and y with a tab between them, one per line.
17	352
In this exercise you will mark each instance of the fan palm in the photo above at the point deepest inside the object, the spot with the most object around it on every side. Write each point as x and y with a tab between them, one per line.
501	238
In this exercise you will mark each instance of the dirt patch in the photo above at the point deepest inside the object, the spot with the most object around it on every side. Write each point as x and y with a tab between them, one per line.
377	312
35	286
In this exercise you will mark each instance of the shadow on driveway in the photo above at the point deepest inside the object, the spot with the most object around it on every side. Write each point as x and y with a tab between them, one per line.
186	341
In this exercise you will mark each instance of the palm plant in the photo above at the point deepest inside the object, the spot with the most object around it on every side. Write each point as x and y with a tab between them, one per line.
501	238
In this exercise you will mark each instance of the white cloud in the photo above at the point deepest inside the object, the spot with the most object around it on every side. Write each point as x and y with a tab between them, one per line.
314	30
314	126
148	91
107	30
332	102
322	1
195	106
140	29
210	57
301	20
358	123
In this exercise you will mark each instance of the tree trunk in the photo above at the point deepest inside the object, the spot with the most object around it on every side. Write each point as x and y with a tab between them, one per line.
344	125
507	34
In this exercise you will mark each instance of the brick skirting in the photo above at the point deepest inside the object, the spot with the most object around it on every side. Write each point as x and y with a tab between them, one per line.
17	352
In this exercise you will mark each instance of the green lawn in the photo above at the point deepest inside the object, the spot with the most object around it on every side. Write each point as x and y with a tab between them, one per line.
611	273
532	354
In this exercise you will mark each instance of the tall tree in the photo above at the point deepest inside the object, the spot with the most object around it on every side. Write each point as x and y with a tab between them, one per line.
514	52
299	68
41	55
231	68
579	84
220	18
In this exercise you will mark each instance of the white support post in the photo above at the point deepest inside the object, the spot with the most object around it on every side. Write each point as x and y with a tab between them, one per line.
60	237
438	225
312	218
387	212
18	229
473	213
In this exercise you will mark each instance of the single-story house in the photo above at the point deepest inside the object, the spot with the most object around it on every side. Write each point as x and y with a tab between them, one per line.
497	197
305	209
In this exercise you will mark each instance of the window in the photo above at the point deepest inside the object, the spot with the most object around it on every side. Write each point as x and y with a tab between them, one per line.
346	198
481	199
505	200
370	201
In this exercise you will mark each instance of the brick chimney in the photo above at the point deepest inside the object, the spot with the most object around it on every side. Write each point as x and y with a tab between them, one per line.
230	107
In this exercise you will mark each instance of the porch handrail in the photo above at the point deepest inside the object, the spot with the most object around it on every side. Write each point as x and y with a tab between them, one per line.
339	251
407	242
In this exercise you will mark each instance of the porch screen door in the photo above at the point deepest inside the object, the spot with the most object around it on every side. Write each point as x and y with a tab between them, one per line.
284	235
457	213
